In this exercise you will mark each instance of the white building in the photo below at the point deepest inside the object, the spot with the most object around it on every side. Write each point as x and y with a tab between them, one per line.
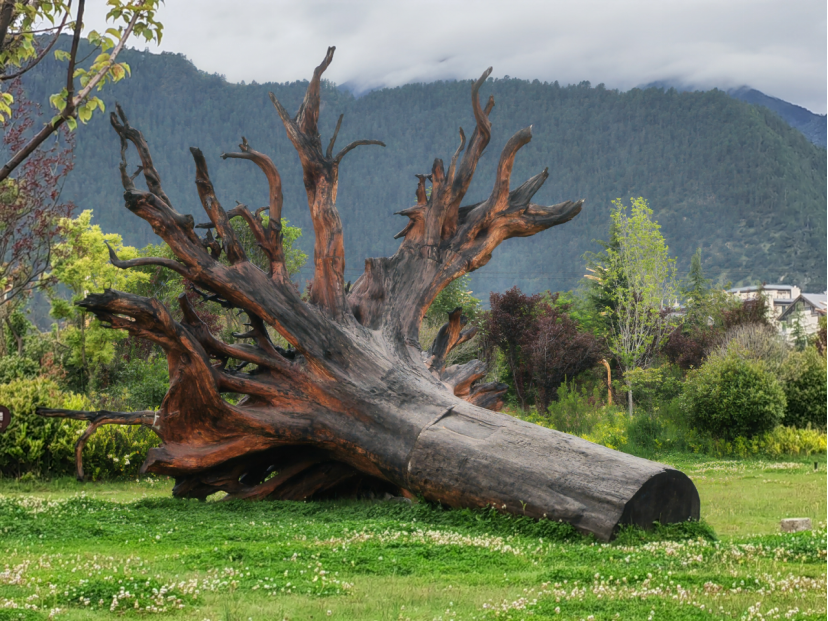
807	308
779	297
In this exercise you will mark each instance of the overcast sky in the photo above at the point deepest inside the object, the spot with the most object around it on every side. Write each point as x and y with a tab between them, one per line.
775	46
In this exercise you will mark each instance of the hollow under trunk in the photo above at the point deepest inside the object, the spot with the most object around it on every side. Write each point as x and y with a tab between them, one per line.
354	406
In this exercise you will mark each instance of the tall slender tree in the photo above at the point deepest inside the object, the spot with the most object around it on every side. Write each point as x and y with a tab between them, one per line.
644	291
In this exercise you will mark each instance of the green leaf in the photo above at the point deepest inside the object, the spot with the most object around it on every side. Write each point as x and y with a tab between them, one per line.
84	113
72	123
58	100
117	72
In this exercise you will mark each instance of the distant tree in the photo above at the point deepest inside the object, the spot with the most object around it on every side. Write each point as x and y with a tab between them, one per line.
688	344
557	350
600	284
81	264
687	348
753	310
800	337
511	315
696	286
457	294
819	338
638	280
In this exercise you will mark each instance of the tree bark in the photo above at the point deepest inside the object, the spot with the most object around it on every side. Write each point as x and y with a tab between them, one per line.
355	407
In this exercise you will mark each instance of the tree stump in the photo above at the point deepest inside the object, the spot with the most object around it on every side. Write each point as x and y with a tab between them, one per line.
354	406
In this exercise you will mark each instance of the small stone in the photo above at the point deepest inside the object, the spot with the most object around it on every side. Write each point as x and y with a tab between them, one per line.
795	525
401	499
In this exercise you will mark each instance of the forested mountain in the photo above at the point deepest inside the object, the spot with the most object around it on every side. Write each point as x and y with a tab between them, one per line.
720	174
813	126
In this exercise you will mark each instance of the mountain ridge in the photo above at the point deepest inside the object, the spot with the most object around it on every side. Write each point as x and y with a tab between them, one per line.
719	173
812	125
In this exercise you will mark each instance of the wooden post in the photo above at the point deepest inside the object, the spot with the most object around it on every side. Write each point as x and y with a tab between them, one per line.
609	381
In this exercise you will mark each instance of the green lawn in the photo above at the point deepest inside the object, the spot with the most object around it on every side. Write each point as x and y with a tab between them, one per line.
98	550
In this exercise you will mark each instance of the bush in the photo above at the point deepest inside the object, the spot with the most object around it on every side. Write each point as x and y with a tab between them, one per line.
790	441
139	385
576	411
46	446
649	437
645	432
804	381
16	367
654	386
732	396
754	341
32	443
611	431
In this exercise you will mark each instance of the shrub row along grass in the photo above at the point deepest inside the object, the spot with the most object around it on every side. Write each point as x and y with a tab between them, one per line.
86	558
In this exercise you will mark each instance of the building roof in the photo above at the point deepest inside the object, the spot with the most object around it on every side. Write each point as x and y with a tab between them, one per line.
766	287
817	301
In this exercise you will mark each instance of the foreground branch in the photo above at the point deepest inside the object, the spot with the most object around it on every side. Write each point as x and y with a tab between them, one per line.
73	102
147	418
268	237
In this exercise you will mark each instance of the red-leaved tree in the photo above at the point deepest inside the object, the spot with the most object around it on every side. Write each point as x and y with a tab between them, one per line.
542	344
30	204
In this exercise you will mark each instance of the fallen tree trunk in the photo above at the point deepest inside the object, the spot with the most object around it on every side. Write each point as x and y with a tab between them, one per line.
354	407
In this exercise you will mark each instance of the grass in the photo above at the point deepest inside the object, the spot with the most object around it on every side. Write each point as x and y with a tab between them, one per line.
97	551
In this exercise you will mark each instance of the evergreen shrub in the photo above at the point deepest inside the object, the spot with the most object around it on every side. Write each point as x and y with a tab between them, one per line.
804	381
45	447
576	411
17	367
732	395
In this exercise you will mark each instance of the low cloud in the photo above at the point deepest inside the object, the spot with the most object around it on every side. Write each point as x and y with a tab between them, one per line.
777	47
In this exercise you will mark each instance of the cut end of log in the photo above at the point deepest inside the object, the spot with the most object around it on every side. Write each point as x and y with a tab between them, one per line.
668	497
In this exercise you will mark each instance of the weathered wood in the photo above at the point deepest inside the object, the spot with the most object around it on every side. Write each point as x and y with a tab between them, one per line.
355	406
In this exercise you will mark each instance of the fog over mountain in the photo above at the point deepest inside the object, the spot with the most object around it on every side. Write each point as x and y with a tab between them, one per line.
775	46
